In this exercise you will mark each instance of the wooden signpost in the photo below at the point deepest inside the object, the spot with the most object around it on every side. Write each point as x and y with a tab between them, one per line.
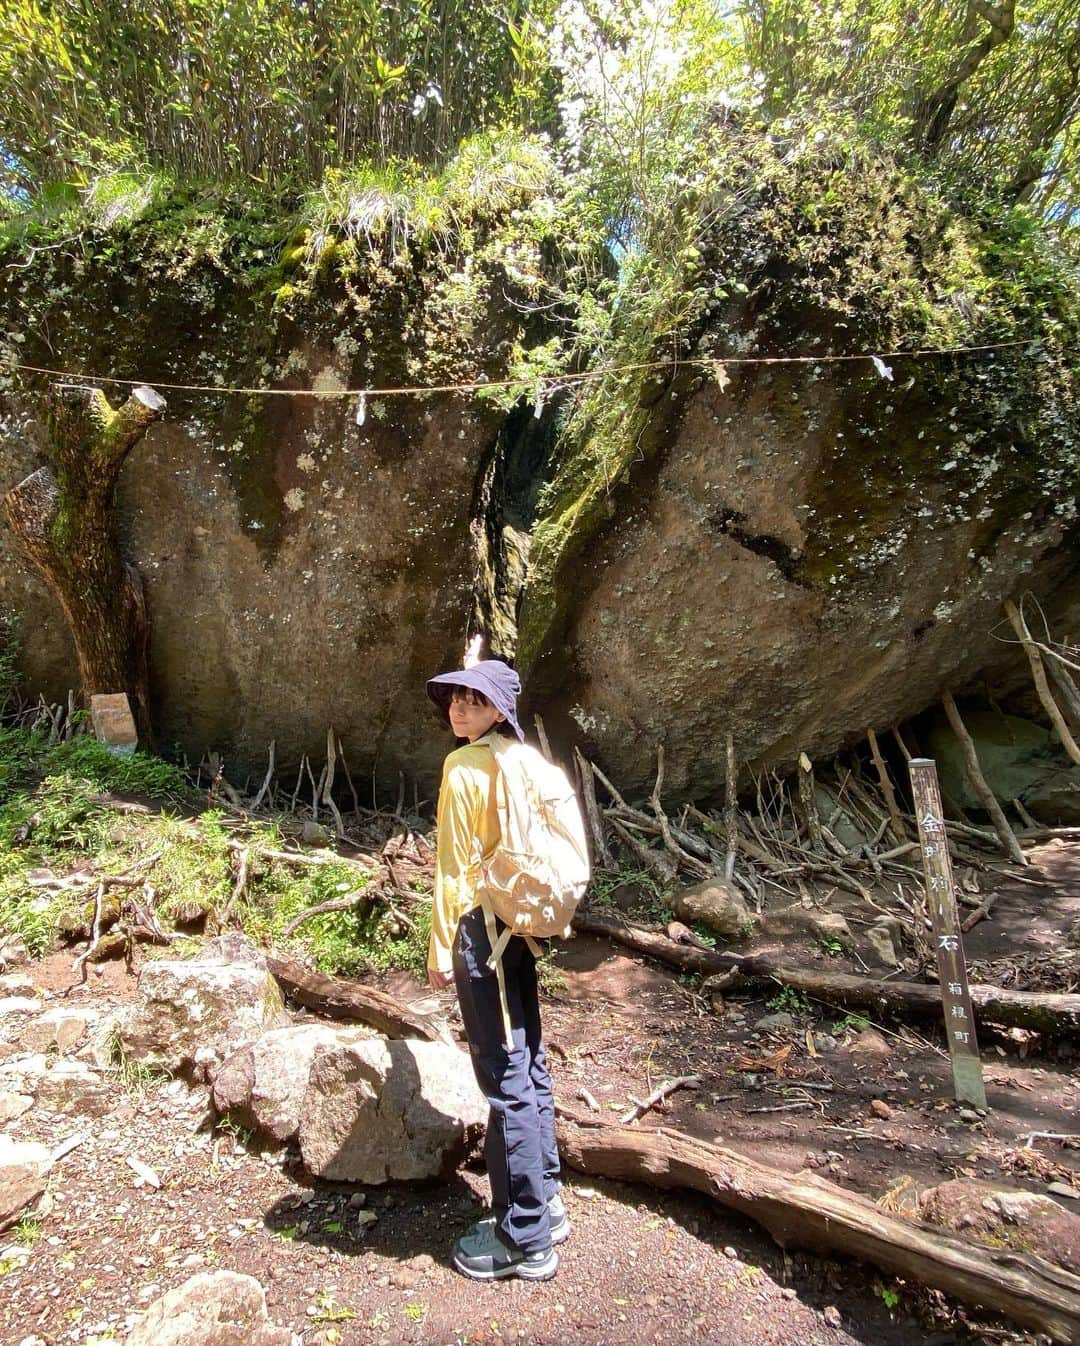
952	970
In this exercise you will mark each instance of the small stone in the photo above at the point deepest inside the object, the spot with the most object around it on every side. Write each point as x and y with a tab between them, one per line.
880	1109
832	1316
17	984
730	1252
775	1023
788	1292
313	834
1063	1189
870	1042
357	1200
968	1115
880	939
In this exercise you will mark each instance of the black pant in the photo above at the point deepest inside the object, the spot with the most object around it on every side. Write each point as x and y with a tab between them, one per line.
520	1151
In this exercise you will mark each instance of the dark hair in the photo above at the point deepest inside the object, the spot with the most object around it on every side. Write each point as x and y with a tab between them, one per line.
443	693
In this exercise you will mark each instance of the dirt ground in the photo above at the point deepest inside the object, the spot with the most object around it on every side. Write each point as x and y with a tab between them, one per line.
641	1266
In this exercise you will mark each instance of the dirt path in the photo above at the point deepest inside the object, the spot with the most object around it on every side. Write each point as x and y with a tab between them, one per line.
640	1267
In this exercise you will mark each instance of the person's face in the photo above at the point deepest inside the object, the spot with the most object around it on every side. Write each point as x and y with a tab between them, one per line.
471	714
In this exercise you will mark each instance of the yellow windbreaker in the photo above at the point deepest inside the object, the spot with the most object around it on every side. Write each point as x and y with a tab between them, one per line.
468	832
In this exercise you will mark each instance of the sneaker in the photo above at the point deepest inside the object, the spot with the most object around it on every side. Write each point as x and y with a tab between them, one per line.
558	1221
482	1256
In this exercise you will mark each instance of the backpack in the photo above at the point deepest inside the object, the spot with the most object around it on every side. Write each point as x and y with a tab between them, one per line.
538	872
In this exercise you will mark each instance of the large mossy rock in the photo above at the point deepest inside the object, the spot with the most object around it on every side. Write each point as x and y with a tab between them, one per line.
308	561
805	552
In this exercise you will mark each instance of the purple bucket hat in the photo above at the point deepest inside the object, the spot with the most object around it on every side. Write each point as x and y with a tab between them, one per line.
498	682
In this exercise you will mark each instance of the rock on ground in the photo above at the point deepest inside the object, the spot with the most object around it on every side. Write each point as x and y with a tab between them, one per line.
72	1087
717	904
382	1111
192	1014
24	1169
1027	1222
56	1030
880	940
263	1085
219	1308
818	925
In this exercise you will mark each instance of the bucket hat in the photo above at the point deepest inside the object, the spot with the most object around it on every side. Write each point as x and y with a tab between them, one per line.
498	682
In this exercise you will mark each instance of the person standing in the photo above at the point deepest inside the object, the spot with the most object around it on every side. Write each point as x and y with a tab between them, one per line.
528	1215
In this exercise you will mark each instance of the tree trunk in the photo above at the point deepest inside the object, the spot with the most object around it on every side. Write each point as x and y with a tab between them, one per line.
932	124
803	1210
1042	1013
63	516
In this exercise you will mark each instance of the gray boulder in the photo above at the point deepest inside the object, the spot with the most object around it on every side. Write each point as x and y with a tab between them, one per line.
1020	760
717	904
215	1308
383	1111
24	1169
13	951
263	1085
192	1014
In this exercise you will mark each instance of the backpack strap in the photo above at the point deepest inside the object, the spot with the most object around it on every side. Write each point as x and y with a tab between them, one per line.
497	941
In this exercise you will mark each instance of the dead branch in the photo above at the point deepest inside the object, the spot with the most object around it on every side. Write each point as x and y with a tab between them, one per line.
978	782
601	854
895	820
328	781
266	782
95	935
343	904
808	800
242	853
804	1210
658	1095
656	862
349	1001
1058	1015
731	799
1038	673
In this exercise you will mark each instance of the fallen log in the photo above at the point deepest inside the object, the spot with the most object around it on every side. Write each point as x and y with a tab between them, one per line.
803	1210
351	1002
1038	1011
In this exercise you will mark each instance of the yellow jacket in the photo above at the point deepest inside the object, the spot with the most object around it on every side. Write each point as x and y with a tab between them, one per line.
468	832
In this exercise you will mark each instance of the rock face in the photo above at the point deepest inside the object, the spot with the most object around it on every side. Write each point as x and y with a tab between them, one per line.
323	550
264	1084
24	1169
805	552
219	1308
717	904
384	1111
191	1015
